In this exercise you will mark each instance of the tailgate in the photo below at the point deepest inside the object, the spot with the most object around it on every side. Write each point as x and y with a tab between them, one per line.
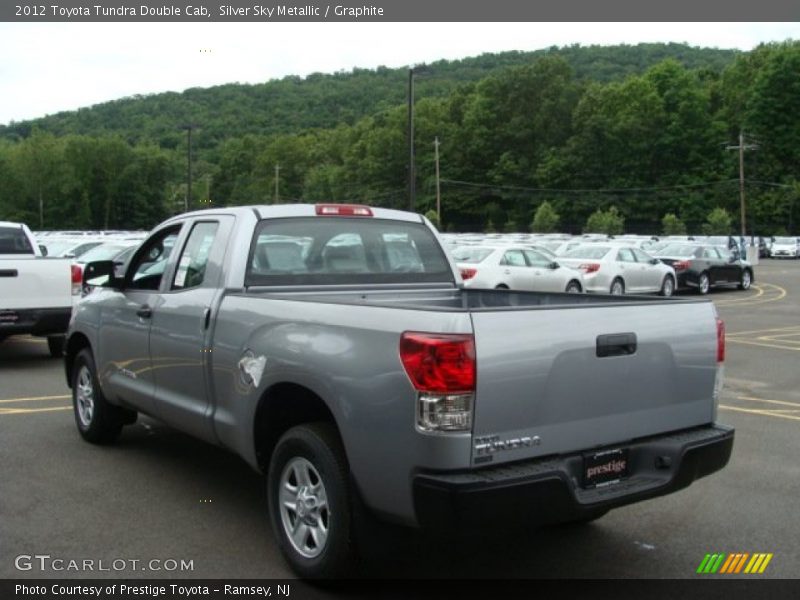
28	283
551	381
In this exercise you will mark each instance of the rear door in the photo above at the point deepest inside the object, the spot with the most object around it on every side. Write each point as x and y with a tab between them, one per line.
515	271
179	338
583	377
630	270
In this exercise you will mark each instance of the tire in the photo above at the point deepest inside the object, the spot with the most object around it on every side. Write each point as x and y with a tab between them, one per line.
585	520
55	343
309	469
703	284
617	287
667	287
573	287
98	421
747	279
502	286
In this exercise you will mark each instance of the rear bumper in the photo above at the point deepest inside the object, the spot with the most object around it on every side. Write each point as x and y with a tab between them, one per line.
547	490
36	321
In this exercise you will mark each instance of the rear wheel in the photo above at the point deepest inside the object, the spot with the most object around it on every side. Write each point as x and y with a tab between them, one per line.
309	503
574	287
703	284
98	421
746	280
617	287
667	286
502	286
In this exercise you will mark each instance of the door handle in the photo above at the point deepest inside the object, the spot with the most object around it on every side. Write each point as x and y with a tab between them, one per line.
206	318
507	271
145	312
616	344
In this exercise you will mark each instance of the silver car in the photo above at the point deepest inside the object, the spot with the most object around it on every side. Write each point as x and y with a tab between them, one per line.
514	268
620	269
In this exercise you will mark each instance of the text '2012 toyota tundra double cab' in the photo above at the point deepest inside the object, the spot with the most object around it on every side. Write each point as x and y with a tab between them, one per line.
334	348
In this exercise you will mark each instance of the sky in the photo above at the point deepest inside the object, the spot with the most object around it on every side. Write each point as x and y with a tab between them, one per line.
51	67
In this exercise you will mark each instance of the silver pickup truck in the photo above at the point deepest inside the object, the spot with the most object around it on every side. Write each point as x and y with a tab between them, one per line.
334	348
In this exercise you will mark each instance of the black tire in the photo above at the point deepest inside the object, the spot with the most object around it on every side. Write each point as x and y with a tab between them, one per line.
585	520
98	421
703	284
502	286
617	287
317	445
55	343
667	287
573	287
746	280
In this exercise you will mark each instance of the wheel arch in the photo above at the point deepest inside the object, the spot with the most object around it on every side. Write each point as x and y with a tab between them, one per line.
75	343
281	407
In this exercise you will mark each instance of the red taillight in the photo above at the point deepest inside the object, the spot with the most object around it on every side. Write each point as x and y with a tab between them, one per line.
343	210
589	267
468	273
680	265
720	340
77	279
439	362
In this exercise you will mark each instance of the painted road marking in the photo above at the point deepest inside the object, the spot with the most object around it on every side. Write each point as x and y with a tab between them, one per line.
754	300
34	399
22	411
763	413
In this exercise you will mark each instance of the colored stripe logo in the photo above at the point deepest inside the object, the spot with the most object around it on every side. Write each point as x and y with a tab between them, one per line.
735	563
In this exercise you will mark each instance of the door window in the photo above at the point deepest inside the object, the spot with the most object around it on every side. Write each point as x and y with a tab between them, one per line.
625	255
150	262
514	258
537	259
192	264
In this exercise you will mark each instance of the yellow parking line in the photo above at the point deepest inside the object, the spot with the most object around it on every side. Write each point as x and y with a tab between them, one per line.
763	413
21	411
795	328
34	399
765	345
745	299
753	301
781	402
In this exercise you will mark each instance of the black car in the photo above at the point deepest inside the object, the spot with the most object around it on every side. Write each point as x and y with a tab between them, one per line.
703	266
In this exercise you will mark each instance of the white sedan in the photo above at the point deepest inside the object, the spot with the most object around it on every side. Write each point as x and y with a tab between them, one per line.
620	269
514	268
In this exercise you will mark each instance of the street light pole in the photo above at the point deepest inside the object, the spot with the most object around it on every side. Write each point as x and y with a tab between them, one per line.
438	188
411	175
741	148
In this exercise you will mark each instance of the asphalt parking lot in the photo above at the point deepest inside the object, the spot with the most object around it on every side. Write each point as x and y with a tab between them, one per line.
160	495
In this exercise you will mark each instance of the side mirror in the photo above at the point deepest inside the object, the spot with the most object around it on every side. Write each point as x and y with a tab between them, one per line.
43	249
554	265
101	273
655	261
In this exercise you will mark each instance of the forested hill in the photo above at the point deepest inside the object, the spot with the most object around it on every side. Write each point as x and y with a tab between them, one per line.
295	104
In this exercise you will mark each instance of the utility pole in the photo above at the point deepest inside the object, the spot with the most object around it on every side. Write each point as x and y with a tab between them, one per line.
277	171
188	127
411	175
438	189
741	148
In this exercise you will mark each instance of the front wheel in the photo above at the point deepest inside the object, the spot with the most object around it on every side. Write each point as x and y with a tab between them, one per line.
98	421
746	280
573	287
703	284
309	506
667	286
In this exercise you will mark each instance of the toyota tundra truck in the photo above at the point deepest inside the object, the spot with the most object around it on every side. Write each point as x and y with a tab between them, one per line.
335	349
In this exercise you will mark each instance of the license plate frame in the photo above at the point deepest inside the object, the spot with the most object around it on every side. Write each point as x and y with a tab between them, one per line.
605	468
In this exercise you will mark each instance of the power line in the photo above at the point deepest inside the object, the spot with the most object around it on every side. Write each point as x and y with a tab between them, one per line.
588	190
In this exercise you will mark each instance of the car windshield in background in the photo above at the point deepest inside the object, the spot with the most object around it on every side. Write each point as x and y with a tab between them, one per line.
104	252
470	254
785	241
678	250
14	241
595	252
336	250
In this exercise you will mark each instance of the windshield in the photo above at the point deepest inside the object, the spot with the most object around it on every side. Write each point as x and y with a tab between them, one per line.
345	250
790	241
103	252
470	254
677	250
596	252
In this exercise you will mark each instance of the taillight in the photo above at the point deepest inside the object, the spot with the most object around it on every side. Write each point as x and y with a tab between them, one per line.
468	273
680	265
589	267
77	279
441	368
343	210
720	340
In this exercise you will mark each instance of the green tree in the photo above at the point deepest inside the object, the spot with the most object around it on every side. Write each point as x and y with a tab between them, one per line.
511	226
718	222
610	222
433	218
672	225
546	219
490	228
